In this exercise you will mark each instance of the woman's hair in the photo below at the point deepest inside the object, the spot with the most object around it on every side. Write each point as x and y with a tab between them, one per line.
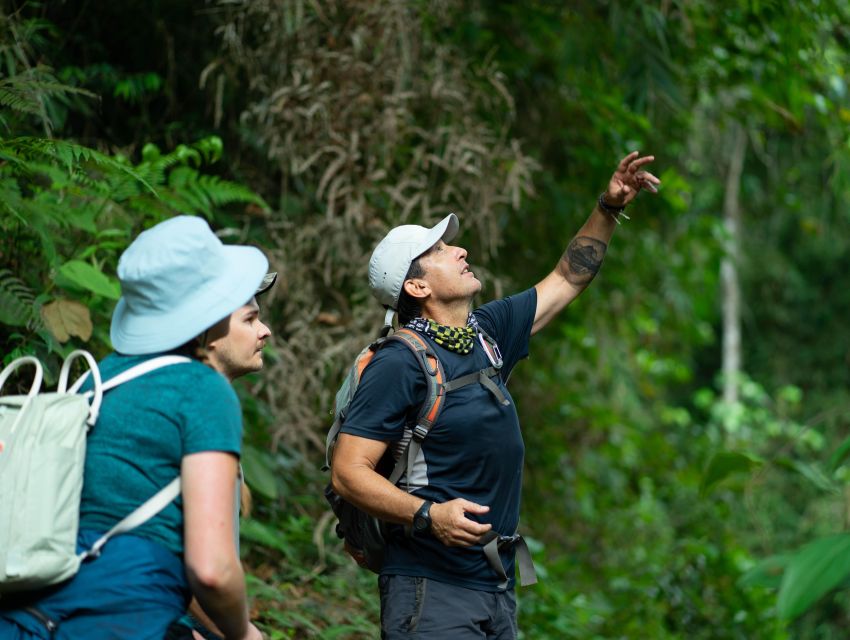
408	306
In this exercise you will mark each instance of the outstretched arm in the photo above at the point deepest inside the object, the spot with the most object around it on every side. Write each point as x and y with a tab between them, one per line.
583	257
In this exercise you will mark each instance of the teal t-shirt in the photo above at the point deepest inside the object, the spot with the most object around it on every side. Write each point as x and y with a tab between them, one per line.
144	429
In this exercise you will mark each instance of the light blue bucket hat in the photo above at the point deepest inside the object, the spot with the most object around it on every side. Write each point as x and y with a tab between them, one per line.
177	280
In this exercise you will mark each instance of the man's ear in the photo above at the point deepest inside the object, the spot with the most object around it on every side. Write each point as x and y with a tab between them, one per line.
416	288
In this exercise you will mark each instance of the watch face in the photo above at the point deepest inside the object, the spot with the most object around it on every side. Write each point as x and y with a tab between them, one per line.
422	519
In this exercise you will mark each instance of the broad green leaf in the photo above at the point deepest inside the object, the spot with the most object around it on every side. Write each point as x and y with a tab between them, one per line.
66	318
767	573
88	277
264	535
818	568
259	471
723	464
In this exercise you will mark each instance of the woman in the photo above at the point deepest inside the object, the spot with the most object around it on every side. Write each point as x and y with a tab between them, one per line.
177	281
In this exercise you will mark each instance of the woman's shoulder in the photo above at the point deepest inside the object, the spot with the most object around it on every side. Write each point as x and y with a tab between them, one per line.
189	372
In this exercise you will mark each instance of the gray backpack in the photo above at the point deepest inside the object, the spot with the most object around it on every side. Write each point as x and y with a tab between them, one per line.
42	457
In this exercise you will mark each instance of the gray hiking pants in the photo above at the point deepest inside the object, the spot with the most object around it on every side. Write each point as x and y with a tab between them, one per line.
429	610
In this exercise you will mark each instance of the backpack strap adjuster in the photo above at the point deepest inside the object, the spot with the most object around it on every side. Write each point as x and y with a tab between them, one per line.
419	432
492	543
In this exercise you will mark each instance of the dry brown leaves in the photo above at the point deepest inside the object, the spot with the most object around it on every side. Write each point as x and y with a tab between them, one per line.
369	123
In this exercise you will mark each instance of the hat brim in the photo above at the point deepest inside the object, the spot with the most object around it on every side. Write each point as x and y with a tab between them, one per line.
266	283
445	230
143	333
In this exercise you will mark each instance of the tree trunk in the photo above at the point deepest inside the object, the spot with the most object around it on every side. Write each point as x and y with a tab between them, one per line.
729	268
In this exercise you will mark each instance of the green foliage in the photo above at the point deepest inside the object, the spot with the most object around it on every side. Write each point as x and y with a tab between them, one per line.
17	303
260	470
661	511
818	568
722	465
68	211
303	584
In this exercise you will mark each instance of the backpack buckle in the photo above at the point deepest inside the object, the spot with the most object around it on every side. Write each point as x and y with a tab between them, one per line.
507	541
419	433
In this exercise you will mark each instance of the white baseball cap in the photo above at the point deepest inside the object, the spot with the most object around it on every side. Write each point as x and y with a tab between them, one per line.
267	282
391	259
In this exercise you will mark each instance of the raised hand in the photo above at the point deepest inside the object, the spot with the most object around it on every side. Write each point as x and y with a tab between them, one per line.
629	179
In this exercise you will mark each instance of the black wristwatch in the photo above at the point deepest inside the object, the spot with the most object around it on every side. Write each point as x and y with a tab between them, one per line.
422	518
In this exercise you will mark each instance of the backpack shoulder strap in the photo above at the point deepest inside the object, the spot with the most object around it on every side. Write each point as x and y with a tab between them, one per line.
345	395
142	514
133	372
161	498
141	369
435	377
99	388
435	397
483	377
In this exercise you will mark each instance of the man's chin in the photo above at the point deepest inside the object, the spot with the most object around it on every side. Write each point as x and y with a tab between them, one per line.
254	365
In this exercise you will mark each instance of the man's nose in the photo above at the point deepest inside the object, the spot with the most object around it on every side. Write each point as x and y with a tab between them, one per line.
265	332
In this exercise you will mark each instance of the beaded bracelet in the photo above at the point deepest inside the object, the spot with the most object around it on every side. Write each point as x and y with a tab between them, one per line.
614	212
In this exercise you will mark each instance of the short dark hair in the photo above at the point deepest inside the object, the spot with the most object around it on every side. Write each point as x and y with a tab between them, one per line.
196	348
408	306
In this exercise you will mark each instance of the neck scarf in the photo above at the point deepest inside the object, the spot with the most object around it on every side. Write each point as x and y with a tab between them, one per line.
457	339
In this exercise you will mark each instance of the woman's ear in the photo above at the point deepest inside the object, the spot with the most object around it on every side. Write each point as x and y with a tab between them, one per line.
416	288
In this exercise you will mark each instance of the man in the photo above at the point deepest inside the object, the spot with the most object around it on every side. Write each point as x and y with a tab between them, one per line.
438	583
233	347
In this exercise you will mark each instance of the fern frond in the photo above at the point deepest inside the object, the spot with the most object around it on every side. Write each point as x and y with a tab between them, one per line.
211	191
39	81
29	91
157	208
17	101
68	154
17	302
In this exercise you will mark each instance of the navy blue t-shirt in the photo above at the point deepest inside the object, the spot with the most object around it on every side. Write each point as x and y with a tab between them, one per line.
475	451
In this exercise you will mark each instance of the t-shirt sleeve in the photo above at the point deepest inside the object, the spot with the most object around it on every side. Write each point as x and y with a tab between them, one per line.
508	321
391	390
211	415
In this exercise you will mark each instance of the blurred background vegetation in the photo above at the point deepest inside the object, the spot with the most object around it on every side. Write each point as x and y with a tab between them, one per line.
686	421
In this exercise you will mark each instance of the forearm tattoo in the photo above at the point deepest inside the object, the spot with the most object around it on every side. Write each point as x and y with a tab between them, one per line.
582	260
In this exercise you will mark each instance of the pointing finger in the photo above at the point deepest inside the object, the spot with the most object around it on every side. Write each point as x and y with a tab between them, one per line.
624	163
636	164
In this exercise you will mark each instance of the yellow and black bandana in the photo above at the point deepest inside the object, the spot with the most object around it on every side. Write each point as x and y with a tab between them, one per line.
457	339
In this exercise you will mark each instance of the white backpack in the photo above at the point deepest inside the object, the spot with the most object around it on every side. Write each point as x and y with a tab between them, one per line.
42	457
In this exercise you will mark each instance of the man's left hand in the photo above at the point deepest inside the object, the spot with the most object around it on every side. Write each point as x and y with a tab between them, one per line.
629	179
